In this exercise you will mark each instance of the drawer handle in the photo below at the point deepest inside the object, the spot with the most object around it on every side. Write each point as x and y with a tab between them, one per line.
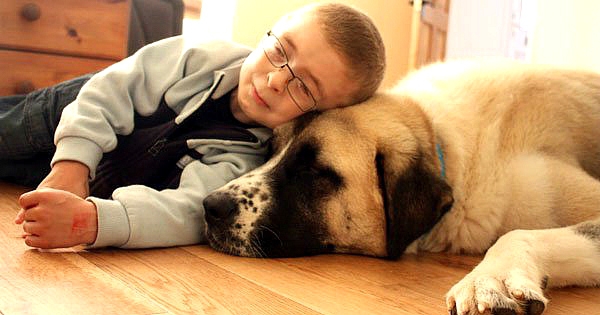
24	87
31	12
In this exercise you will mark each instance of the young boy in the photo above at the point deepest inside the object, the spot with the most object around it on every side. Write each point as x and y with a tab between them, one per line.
146	139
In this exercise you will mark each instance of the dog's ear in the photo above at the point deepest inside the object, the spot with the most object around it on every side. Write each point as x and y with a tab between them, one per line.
415	198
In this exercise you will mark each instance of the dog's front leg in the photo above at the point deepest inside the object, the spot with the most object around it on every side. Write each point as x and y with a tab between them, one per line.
515	271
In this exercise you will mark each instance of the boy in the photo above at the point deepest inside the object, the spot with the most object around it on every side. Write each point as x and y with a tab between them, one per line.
150	136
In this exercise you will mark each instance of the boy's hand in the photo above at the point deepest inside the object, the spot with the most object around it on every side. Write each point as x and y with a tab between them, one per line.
71	176
55	218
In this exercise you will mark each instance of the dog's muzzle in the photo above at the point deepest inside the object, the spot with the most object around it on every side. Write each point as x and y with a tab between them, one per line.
219	207
220	210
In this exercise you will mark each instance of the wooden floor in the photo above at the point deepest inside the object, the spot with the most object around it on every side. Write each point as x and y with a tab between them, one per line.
198	280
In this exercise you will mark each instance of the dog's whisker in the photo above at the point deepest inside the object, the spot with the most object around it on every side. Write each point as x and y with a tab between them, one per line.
263	228
256	246
253	250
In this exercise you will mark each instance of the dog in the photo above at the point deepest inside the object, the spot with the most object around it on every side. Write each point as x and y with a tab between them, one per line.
464	157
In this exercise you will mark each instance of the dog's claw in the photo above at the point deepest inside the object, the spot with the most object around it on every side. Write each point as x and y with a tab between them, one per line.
481	308
535	307
503	311
518	294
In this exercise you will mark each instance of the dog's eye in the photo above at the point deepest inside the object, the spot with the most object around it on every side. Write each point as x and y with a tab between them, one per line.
309	170
304	166
302	171
301	161
306	156
329	175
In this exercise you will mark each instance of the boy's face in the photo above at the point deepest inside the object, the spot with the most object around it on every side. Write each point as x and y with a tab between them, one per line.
262	95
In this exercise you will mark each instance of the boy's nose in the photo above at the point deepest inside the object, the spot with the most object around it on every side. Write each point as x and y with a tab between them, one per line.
278	79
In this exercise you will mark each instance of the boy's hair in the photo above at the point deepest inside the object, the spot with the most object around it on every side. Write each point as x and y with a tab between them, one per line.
354	35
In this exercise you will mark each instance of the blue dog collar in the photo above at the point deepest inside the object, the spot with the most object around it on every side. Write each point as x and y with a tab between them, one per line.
440	154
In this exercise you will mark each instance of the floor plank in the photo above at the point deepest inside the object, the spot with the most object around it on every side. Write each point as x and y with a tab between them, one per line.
187	284
343	284
56	281
198	280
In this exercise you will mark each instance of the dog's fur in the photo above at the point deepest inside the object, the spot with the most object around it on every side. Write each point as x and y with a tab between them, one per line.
517	176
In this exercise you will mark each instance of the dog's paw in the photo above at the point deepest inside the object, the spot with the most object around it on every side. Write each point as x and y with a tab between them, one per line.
507	293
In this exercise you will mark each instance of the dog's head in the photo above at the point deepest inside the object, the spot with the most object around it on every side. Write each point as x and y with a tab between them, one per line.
363	179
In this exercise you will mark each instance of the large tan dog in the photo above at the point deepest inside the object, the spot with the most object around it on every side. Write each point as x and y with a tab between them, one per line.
460	157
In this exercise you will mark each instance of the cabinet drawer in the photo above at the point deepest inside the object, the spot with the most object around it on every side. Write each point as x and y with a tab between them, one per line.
93	28
23	71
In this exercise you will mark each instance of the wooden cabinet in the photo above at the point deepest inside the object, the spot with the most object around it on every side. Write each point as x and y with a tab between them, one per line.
43	42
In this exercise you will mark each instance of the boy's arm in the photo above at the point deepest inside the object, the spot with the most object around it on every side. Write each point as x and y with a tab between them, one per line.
141	217
137	216
175	68
106	104
70	176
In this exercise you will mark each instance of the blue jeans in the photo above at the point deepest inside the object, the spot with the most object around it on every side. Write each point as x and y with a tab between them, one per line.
27	125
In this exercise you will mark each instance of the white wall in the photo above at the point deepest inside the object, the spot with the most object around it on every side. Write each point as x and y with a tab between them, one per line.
567	33
478	28
216	20
545	31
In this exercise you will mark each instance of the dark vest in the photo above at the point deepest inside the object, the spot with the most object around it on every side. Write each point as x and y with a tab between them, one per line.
149	155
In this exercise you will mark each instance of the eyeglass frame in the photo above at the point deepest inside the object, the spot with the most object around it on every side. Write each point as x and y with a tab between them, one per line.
294	76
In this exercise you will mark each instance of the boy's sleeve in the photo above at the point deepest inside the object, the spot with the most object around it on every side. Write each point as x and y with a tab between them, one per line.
174	68
141	217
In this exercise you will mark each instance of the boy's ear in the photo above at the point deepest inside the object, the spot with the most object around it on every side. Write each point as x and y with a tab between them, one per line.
415	199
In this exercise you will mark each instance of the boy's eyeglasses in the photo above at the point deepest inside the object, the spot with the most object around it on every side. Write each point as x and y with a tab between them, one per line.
298	91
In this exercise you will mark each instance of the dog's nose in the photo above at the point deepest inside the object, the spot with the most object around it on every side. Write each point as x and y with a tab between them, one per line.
219	205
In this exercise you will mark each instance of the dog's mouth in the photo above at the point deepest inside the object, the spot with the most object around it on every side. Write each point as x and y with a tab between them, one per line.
224	242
